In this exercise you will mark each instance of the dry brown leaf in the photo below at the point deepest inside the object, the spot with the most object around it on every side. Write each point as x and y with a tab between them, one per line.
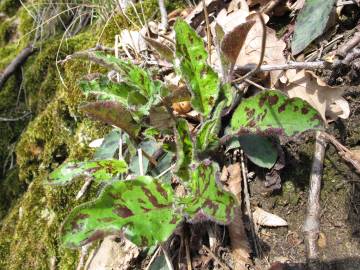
238	4
113	254
239	243
196	16
163	50
306	85
264	218
322	242
355	155
182	107
234	40
338	109
132	39
297	5
228	21
250	54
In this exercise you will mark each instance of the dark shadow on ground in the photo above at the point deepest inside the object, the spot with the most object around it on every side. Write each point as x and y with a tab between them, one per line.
338	264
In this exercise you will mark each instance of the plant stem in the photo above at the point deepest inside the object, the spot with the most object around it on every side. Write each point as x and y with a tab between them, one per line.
312	221
164	16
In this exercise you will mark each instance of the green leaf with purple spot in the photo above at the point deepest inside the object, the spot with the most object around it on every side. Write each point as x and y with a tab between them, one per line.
184	149
141	209
273	112
104	89
207	197
202	80
207	136
99	170
112	113
132	74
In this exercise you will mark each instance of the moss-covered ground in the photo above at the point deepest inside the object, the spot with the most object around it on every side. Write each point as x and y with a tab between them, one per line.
31	212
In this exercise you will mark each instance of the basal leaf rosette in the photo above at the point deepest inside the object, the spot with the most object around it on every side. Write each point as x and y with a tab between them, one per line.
141	209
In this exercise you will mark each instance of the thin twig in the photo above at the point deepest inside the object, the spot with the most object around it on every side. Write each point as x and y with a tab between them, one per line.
187	252
153	258
141	164
4	119
312	221
346	47
208	250
290	65
344	152
167	258
255	84
208	33
262	52
163	13
83	253
166	171
17	62
247	202
84	188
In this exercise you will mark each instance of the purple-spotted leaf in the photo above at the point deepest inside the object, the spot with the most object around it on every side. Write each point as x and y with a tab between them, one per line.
273	112
207	197
99	170
141	209
201	79
112	113
207	136
184	149
104	89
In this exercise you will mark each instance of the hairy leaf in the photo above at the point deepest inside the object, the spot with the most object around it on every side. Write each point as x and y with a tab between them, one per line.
105	89
141	208
108	146
112	113
184	149
200	77
132	74
207	197
273	112
310	23
99	170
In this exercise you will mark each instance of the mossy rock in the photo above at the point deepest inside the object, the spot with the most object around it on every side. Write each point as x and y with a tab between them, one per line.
29	230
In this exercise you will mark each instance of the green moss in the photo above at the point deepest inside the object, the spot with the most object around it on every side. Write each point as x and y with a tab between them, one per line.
7	30
10	189
9	7
57	132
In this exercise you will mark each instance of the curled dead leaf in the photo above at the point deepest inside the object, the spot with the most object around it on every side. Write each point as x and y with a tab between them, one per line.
307	86
234	40
250	54
264	218
182	107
